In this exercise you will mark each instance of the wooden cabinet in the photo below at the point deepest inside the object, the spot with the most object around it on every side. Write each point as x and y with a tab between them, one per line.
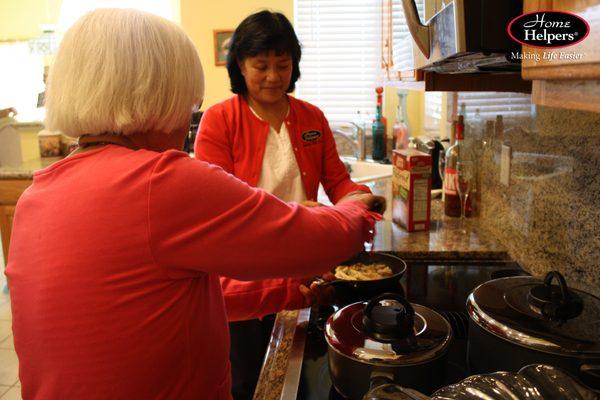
566	82
10	191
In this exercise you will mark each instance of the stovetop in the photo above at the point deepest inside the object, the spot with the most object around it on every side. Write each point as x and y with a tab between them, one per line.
443	287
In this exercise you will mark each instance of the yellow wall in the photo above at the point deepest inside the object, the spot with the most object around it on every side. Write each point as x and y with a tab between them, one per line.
414	110
21	19
200	18
30	149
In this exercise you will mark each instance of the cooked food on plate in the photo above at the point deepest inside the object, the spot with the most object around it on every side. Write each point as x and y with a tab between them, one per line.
363	272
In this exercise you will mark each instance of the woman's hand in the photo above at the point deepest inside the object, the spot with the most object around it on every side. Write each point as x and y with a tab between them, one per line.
316	293
374	203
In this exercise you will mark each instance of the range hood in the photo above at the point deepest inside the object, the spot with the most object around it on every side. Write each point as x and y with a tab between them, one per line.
466	36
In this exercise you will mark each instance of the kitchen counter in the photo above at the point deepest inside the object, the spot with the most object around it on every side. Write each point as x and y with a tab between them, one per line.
280	374
26	169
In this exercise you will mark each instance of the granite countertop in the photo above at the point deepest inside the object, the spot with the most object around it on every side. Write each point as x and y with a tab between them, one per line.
444	241
26	169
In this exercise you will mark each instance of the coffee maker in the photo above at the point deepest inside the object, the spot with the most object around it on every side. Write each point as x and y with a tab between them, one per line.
432	147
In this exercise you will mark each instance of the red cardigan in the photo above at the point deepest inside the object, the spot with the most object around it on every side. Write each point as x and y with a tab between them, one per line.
114	263
231	136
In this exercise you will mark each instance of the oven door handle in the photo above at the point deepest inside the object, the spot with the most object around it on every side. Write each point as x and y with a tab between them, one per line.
420	33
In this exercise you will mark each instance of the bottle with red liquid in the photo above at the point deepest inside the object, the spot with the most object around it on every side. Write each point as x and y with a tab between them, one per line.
454	154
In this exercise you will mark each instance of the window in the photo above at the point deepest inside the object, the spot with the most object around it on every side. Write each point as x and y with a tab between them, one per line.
490	104
512	106
402	42
433	112
341	55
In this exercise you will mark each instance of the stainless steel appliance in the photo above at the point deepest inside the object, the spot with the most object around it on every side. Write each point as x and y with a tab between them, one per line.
528	321
465	36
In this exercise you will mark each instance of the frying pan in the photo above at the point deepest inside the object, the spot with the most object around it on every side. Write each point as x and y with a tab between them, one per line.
353	290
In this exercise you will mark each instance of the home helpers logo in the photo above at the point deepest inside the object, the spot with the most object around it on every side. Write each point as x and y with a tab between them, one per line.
548	29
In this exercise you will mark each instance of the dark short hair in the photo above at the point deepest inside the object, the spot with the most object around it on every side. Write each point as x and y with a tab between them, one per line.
260	33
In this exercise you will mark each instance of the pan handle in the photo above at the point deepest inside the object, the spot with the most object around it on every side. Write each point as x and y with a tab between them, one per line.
336	282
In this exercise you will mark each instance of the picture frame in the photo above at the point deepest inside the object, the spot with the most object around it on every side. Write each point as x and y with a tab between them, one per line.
221	38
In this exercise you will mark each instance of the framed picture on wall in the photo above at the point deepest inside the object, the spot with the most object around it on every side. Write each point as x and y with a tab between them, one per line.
222	39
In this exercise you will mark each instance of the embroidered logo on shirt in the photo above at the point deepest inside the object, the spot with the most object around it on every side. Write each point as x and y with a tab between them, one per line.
311	136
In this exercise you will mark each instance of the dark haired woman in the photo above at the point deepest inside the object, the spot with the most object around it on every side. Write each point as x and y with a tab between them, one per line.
280	144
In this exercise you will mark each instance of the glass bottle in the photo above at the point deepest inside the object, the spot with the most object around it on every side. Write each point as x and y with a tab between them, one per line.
400	131
477	125
463	110
455	153
378	130
361	131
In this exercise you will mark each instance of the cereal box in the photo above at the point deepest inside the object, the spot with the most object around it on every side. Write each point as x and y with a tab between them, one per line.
411	189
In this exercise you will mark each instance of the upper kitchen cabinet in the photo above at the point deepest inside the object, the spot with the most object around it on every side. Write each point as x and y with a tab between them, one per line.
566	77
452	45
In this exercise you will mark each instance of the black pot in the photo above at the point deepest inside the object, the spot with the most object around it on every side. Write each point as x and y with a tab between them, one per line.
521	320
387	337
347	291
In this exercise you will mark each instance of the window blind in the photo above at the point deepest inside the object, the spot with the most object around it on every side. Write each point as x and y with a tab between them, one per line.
490	104
433	111
402	43
341	55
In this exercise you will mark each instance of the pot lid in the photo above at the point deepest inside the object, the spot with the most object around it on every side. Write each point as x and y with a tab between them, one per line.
538	314
388	330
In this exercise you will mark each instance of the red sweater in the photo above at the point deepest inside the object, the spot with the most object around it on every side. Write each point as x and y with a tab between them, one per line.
113	271
232	136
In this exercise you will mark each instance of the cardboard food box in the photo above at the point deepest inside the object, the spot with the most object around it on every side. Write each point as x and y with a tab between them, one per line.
411	189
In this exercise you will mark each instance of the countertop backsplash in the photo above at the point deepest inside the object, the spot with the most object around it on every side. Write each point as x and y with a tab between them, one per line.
548	217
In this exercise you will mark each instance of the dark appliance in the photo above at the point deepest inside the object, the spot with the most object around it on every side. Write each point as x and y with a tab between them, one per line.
433	148
387	337
518	321
440	286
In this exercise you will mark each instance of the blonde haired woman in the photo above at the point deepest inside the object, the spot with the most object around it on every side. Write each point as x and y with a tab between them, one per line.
117	295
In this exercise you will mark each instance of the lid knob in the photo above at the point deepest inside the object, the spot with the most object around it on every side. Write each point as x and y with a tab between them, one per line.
556	302
388	323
